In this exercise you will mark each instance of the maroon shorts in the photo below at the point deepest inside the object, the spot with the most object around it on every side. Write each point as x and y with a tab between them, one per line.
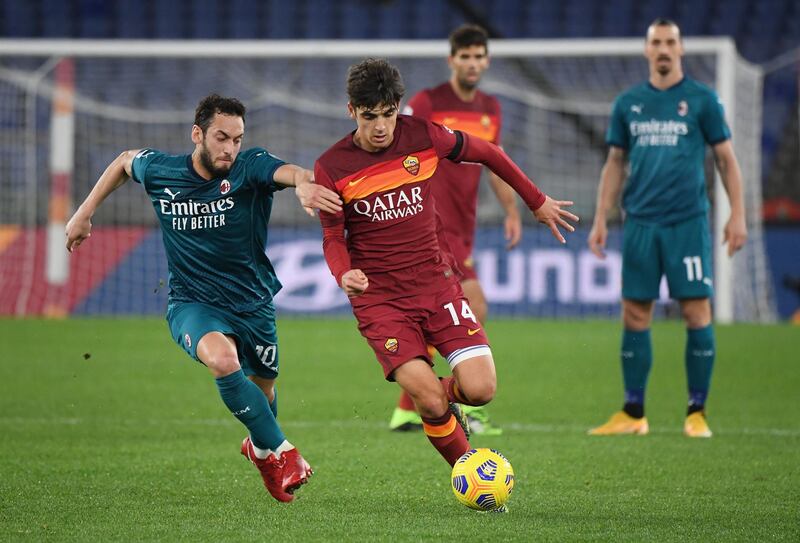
400	330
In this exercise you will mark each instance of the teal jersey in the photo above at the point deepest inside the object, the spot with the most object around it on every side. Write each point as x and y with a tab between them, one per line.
214	231
665	133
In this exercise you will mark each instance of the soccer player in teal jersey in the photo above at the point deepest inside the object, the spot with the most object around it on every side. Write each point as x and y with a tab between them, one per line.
213	206
662	127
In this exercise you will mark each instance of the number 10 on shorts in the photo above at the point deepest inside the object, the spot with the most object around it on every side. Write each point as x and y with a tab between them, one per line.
466	312
694	268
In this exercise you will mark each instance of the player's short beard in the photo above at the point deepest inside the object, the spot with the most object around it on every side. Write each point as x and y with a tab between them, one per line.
664	69
208	163
467	84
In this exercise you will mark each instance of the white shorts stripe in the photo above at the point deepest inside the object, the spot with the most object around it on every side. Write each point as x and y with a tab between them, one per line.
459	355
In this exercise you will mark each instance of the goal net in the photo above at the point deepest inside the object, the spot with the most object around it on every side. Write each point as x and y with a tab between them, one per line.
69	107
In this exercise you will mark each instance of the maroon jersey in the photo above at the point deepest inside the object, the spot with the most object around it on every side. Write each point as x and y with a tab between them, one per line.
479	118
388	210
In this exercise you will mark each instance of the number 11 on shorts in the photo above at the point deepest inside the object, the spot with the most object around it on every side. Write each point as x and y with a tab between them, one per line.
694	268
466	312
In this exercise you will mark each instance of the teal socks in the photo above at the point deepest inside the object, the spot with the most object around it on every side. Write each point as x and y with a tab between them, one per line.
248	404
700	354
637	359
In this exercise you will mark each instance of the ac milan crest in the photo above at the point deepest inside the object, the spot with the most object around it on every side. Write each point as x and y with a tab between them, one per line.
411	164
225	186
683	108
188	340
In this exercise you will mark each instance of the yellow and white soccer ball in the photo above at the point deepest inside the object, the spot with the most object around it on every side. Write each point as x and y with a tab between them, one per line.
482	479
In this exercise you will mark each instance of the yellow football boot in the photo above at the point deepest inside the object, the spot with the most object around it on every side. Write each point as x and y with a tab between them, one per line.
621	423
696	425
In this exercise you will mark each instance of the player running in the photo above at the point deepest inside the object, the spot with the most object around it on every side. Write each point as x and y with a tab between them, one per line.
213	206
384	252
459	105
662	127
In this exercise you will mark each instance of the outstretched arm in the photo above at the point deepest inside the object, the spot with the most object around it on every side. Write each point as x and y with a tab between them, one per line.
311	195
611	178
545	209
736	228
117	173
505	195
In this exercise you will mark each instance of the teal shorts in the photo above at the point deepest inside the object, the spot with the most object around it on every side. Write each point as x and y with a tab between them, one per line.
681	251
255	333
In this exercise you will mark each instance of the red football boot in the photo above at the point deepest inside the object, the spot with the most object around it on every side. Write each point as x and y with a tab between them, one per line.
272	471
296	470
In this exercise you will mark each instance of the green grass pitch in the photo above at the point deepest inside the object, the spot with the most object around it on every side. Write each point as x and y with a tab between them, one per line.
109	432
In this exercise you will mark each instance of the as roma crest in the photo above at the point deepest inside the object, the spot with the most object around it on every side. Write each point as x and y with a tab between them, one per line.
411	164
391	345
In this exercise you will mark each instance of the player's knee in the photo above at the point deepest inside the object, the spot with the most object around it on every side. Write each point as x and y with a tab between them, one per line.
696	316
479	393
431	405
223	364
636	318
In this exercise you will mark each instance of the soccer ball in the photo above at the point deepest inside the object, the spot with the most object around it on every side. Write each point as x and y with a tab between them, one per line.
482	479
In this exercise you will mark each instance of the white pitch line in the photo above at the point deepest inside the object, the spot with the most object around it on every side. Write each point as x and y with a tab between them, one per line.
361	423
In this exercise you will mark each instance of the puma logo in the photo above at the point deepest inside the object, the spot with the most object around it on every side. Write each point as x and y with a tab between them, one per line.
472	332
172	195
637	109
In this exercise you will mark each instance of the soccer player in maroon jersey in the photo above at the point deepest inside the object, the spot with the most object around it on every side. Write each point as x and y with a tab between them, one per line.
384	251
459	105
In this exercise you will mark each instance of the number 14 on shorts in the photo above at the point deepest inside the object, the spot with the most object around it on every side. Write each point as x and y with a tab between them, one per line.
466	312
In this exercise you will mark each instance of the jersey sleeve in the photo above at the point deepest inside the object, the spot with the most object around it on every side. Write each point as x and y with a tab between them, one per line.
261	166
334	246
141	161
448	143
712	120
617	133
420	106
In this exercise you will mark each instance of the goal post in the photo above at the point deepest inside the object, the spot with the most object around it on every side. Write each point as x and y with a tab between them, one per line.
555	94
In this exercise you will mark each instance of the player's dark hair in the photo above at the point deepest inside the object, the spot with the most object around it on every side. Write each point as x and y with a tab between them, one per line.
374	81
466	36
213	104
663	21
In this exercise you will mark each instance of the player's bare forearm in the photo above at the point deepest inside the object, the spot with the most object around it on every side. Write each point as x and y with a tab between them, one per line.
504	193
291	175
735	231
731	175
611	178
512	224
115	175
311	195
